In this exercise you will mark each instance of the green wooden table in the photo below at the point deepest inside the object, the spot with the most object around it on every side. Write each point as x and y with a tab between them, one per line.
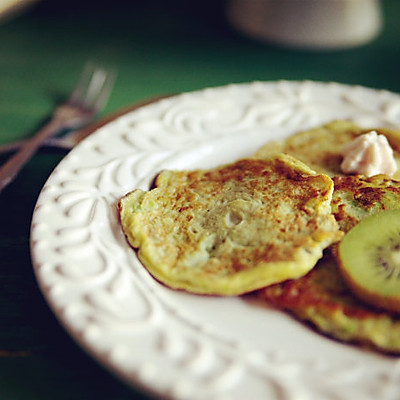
159	47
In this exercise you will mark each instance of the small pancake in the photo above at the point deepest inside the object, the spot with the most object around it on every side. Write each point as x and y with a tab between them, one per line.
231	229
320	148
323	299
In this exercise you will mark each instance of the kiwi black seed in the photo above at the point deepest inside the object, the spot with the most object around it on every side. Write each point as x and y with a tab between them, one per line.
387	259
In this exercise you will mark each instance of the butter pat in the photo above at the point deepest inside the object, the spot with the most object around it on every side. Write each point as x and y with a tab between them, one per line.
369	154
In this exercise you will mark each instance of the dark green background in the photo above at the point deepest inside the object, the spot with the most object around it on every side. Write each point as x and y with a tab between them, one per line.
159	47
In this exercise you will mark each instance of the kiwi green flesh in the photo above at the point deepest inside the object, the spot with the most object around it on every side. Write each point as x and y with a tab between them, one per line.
369	259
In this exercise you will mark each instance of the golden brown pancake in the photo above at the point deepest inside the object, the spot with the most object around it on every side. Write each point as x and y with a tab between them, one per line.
232	229
321	297
320	148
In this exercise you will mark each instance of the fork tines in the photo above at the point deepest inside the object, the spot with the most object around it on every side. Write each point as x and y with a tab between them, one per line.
94	86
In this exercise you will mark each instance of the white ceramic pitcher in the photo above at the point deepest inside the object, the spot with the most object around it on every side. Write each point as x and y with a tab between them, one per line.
313	24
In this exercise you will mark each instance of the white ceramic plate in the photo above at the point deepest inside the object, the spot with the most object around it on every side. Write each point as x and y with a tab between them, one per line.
172	344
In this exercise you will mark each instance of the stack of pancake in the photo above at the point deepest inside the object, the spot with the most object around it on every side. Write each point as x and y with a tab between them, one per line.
269	225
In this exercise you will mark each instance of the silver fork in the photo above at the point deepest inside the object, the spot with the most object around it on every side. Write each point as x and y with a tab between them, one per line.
70	139
87	98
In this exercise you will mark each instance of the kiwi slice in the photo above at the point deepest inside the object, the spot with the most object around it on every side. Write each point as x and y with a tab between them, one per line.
369	260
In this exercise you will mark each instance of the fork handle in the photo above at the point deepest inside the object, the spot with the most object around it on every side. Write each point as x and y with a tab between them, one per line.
15	163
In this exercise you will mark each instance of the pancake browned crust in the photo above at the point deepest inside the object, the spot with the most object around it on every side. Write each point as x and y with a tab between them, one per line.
356	197
323	299
234	228
320	148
